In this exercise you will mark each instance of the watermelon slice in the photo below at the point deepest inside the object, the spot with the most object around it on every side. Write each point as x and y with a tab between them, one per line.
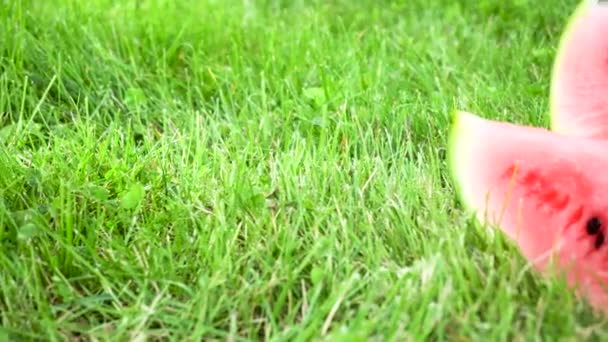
579	82
547	192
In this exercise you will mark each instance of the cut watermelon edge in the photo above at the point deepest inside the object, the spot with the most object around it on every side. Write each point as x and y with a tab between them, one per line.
457	140
564	39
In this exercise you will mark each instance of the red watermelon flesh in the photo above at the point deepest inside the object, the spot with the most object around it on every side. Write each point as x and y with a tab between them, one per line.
579	84
547	192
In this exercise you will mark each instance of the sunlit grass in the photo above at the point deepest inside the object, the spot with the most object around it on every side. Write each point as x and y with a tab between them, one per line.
263	170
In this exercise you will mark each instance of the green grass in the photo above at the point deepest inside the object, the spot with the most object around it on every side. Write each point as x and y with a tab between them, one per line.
246	170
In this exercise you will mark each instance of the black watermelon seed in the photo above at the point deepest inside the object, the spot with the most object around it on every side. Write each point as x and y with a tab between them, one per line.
599	240
593	226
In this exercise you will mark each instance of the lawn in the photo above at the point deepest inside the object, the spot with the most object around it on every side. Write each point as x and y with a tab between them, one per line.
254	170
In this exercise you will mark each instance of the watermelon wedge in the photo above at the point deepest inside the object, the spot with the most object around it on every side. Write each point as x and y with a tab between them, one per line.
579	82
547	192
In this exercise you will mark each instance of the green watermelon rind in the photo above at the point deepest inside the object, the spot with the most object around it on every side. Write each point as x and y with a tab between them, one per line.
457	139
582	7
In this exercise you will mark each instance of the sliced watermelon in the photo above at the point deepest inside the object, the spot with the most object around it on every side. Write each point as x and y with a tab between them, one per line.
579	82
547	192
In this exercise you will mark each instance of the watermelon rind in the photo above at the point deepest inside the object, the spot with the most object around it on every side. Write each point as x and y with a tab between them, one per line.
564	40
458	141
